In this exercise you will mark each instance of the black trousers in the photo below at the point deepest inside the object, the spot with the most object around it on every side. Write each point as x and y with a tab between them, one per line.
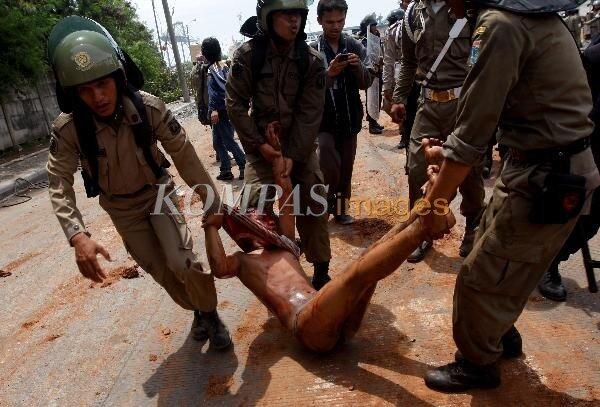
336	158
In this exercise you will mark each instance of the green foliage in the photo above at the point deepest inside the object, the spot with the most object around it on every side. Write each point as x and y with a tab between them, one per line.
25	25
22	37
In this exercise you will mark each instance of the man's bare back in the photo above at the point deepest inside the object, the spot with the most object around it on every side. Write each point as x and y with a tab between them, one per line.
278	280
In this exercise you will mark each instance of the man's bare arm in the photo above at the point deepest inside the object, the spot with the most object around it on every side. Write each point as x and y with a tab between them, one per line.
221	265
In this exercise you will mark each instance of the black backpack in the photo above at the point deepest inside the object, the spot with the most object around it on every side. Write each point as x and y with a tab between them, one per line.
202	95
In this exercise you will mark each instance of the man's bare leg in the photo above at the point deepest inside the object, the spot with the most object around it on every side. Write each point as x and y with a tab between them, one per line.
344	300
355	319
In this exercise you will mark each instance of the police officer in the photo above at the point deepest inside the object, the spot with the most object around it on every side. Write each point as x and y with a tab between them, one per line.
284	79
536	91
551	285
424	34
392	52
369	24
112	129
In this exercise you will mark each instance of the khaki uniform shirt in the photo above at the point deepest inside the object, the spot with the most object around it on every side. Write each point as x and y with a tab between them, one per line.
122	168
392	53
276	100
418	58
536	90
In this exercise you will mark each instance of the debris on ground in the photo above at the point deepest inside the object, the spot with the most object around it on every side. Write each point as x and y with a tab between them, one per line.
126	272
153	358
5	274
166	331
131	272
51	338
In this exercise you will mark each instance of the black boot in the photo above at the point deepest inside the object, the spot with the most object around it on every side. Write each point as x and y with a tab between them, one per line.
342	217
464	375
402	144
419	253
216	330
551	285
225	176
375	130
470	233
512	345
199	332
321	275
467	242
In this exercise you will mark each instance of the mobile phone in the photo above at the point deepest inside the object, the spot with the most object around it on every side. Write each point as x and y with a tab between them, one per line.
343	57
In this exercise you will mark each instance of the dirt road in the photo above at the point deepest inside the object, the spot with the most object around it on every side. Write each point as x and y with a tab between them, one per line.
66	341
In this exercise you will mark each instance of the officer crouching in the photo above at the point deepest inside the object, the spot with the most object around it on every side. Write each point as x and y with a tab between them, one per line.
112	129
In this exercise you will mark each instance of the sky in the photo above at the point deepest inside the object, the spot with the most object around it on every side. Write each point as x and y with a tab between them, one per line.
222	18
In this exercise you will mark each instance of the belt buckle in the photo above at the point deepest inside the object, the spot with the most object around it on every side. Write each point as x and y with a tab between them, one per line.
442	96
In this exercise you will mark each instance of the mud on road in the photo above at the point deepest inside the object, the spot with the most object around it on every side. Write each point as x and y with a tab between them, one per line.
66	341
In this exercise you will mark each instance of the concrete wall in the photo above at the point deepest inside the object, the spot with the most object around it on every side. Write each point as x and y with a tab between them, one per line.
29	114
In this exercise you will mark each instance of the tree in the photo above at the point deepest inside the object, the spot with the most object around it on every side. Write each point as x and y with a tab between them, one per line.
23	31
25	26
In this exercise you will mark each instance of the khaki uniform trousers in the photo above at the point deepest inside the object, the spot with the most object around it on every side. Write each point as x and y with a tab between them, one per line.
162	246
437	120
508	259
313	231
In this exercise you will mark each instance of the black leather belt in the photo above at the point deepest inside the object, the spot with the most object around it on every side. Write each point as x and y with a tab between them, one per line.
551	154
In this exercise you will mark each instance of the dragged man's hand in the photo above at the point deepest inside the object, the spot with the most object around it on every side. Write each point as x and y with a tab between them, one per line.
398	113
269	152
433	149
213	220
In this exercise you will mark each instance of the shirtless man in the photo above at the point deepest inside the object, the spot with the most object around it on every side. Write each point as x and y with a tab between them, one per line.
319	320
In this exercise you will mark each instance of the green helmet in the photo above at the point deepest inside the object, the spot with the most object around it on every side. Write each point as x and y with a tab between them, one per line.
266	7
84	56
81	50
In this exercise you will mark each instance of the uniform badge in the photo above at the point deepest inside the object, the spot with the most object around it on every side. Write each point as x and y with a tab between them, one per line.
53	145
480	31
474	52
174	127
83	61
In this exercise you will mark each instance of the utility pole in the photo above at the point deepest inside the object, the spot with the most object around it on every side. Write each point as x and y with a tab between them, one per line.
182	82
162	53
187	35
